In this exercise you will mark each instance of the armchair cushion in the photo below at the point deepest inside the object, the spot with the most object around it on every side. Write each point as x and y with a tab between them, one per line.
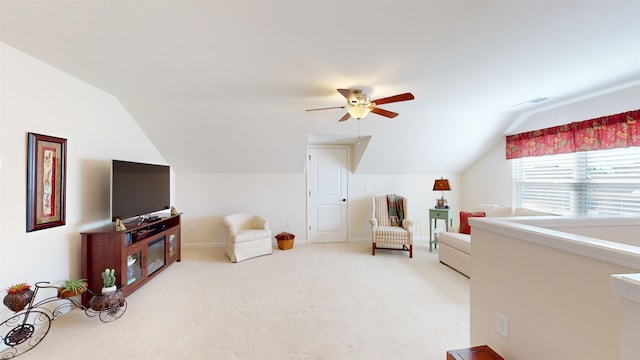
387	234
250	235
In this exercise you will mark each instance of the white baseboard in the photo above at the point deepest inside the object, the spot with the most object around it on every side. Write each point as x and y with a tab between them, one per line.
203	245
301	242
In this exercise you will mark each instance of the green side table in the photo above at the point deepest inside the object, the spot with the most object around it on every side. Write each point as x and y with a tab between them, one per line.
434	216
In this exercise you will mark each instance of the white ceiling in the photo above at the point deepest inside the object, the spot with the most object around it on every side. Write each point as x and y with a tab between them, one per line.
221	86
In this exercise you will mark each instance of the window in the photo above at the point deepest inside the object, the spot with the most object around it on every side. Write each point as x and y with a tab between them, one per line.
603	182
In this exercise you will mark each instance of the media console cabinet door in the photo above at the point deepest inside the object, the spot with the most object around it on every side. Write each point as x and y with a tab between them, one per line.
173	245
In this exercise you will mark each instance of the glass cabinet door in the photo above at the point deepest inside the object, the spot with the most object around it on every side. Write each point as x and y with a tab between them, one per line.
134	267
173	245
155	255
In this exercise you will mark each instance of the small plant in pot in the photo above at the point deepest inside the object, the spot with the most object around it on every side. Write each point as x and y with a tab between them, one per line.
18	296
72	288
109	281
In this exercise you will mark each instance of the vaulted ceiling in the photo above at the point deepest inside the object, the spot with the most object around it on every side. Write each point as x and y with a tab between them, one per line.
222	86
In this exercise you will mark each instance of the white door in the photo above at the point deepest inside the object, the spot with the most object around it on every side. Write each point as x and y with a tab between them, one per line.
328	189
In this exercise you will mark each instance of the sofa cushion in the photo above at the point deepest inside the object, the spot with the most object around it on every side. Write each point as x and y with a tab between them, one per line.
529	212
464	220
494	210
455	240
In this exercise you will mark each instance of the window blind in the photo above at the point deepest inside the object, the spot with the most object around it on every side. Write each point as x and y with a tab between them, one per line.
603	182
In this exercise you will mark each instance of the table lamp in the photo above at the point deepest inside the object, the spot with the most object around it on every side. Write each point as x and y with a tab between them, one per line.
442	185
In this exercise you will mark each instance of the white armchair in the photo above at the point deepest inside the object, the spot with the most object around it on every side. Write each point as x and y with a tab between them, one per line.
249	236
389	225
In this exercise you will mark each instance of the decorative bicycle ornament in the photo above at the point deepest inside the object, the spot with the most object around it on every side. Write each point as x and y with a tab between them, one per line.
28	327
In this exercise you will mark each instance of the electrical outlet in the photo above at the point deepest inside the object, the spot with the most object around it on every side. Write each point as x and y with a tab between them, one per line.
502	325
289	224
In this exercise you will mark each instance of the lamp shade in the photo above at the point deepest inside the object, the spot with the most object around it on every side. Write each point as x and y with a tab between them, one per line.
441	185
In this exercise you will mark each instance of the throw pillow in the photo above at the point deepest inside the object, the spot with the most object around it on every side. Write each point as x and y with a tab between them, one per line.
464	220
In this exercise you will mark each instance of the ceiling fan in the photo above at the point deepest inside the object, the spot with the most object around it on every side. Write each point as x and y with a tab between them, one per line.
359	105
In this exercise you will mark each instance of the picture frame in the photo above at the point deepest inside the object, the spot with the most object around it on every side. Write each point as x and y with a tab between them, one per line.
46	181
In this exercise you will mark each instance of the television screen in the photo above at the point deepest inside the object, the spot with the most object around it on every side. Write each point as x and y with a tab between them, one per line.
138	189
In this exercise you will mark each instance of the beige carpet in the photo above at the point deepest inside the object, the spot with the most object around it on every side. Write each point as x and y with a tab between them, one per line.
319	301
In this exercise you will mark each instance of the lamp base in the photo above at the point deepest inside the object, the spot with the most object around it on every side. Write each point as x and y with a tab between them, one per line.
442	203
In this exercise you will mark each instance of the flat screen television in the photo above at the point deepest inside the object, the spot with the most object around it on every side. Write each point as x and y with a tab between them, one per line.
138	189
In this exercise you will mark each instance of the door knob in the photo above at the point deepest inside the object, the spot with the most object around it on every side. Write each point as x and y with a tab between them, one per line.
343	200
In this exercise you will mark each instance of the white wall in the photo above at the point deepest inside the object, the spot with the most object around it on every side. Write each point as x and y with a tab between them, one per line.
38	98
206	198
627	288
613	102
560	303
488	180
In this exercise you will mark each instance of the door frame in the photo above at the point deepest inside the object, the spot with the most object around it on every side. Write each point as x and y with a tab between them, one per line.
307	197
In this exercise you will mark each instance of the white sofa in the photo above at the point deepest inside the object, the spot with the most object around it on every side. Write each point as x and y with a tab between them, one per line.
455	247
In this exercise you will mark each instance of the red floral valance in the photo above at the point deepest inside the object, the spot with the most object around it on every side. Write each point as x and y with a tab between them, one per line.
607	132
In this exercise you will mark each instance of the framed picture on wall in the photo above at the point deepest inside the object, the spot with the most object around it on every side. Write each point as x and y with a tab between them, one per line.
46	181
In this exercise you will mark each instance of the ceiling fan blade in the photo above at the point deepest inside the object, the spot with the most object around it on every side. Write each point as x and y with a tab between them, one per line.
395	98
383	112
327	108
345	117
345	92
350	95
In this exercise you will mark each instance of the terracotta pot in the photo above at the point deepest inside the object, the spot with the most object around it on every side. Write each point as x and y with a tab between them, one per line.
17	301
64	294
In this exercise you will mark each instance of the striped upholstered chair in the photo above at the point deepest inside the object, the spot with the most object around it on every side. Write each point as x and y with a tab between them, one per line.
389	226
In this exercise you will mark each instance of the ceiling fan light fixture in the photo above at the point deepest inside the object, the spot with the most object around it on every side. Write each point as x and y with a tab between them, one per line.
360	98
358	111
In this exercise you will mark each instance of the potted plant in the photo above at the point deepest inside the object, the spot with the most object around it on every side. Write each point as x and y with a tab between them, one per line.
285	240
110	296
18	296
109	281
72	288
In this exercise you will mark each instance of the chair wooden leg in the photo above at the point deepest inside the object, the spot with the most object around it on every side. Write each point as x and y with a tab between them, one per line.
373	249
411	251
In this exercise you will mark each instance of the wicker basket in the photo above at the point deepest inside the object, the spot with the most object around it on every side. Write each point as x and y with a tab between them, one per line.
285	240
